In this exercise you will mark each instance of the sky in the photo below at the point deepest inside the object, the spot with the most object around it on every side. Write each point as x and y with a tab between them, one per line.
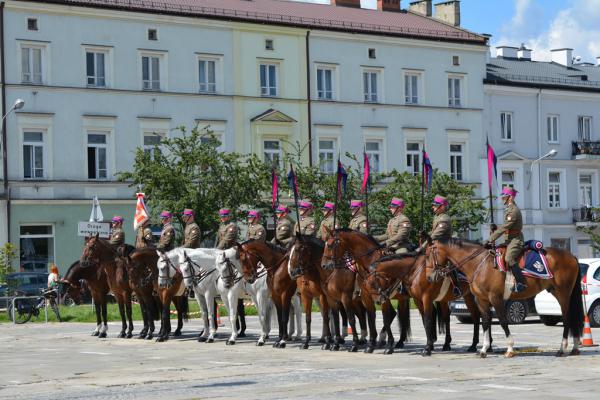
540	24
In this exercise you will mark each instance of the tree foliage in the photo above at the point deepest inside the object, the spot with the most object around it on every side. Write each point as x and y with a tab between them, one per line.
7	254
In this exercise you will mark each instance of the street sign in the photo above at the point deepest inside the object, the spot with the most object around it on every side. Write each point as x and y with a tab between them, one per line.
86	228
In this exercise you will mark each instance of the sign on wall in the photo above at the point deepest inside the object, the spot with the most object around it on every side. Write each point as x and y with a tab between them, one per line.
86	228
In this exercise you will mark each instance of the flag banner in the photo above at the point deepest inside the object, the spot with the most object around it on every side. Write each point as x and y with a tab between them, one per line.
292	182
427	171
492	161
342	178
274	189
366	173
141	213
96	214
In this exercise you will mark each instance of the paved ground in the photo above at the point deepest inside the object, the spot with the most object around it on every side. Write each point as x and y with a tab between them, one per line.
61	361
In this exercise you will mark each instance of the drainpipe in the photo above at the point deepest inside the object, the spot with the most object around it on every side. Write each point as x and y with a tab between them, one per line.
308	99
4	133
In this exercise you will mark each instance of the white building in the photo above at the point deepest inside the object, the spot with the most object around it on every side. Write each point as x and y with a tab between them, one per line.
532	108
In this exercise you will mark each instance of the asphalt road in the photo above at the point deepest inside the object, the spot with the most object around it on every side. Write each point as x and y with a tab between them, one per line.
61	361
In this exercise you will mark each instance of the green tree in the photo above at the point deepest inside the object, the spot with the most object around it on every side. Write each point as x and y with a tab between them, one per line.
7	254
592	231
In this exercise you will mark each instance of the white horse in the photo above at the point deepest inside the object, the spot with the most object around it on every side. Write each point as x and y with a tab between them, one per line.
231	287
258	290
199	274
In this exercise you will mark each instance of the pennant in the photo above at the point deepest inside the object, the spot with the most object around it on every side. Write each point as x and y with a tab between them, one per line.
492	164
342	178
141	213
96	214
274	189
292	182
366	173
427	171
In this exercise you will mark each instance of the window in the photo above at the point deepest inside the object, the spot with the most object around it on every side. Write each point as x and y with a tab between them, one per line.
272	152
325	83
454	92
413	157
327	155
585	190
31	64
33	155
151	141
554	190
268	79
269	44
152	34
411	88
561	243
207	75
36	247
374	148
150	72
506	126
372	53
96	152
96	68
32	24
455	60
370	79
552	122
584	130
508	179
456	161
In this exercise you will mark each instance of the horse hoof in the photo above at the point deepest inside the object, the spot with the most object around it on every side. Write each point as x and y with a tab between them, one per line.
276	345
121	335
230	342
242	334
322	340
260	343
381	344
369	349
140	336
210	340
472	349
399	345
446	347
177	333
426	353
102	335
362	342
509	354
129	335
575	352
282	345
304	346
560	353
353	349
326	346
202	339
149	336
389	351
335	347
482	354
95	333
160	339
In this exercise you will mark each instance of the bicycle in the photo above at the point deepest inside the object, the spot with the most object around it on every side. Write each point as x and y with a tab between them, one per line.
25	308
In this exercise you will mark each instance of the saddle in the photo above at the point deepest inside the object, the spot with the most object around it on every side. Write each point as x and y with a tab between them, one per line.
532	262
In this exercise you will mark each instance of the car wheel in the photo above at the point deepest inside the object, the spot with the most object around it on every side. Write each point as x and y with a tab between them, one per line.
550	320
594	314
516	311
464	320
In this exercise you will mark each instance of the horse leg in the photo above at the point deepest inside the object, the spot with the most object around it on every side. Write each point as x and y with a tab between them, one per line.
240	323
128	310
362	314
403	316
143	309
165	328
388	313
486	322
372	344
298	317
285	322
325	313
344	326
563	300
182	306
203	300
429	325
475	316
307	305
498	304
98	310
445	314
349	306
231	304
282	328
264	317
121	303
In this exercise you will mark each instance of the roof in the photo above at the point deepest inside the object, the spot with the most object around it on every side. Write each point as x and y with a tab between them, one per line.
297	14
542	74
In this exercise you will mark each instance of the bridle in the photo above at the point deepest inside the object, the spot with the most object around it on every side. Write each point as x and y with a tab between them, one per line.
169	280
347	259
386	294
232	278
259	268
452	265
87	261
196	278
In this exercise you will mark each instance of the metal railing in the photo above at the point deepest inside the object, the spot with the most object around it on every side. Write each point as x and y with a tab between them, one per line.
13	301
586	147
586	214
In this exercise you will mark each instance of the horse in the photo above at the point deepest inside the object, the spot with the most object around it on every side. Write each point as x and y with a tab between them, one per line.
171	289
252	254
99	252
200	274
488	284
143	280
96	280
230	286
350	253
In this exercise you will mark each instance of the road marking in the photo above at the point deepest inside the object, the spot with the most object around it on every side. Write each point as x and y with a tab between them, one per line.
413	378
95	353
504	387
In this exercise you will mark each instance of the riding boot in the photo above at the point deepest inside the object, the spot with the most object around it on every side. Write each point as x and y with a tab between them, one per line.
240	323
456	292
518	274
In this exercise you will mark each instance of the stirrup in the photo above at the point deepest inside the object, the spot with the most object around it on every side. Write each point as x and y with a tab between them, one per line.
519	287
456	292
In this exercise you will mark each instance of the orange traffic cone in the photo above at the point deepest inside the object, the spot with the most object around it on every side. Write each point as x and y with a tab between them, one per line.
587	340
350	332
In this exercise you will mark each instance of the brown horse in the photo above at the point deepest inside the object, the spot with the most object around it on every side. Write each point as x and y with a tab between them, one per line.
488	285
345	249
391	272
98	252
95	278
171	289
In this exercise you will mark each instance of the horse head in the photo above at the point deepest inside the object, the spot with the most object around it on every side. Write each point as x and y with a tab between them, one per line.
379	286
300	258
249	262
334	251
164	265
91	252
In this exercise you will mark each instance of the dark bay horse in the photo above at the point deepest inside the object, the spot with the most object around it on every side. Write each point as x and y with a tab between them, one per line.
171	289
488	285
347	248
96	280
99	253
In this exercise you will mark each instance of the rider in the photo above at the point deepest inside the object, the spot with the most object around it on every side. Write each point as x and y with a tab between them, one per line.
398	229
306	226
327	222
144	237
228	230
284	232
255	229
117	235
513	229
167	235
191	233
359	220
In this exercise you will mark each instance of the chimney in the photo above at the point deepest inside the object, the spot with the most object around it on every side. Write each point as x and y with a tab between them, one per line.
598	61
506	52
422	7
449	12
524	53
562	56
346	3
388	5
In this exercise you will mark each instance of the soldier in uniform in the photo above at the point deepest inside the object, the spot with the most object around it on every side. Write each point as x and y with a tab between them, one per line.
284	231
117	235
144	237
327	222
255	230
228	230
359	220
167	235
191	233
398	229
514	242
306	225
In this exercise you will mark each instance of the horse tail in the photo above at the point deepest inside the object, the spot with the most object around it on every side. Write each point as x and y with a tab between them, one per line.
403	314
184	308
575	318
440	316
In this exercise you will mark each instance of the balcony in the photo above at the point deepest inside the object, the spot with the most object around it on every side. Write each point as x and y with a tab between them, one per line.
586	215
586	149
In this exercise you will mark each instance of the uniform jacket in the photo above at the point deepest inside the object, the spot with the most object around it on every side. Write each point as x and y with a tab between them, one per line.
191	236
512	226
397	232
144	238
359	223
227	236
117	237
326	223
284	232
167	238
307	226
442	227
256	232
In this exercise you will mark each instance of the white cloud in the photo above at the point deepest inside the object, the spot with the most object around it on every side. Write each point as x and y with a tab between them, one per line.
576	26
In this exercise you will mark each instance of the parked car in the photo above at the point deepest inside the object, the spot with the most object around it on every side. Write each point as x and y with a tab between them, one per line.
549	309
516	310
23	284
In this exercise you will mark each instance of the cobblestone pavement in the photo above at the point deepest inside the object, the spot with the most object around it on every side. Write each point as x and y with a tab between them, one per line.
61	361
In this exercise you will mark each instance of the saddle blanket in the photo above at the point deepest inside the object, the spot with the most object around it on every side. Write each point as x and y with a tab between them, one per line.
533	263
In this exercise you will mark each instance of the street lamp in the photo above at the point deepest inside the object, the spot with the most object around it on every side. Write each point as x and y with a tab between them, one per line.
19	103
549	154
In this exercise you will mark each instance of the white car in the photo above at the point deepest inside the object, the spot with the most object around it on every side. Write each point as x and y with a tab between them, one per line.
548	308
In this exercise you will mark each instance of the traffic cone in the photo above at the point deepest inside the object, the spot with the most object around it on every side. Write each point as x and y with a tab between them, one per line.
350	332
587	340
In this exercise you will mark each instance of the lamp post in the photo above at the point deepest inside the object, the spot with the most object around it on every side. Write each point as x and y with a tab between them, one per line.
19	103
549	154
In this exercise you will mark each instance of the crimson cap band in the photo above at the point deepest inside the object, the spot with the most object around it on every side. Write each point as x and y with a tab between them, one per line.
188	212
508	191
166	214
356	203
282	209
253	214
117	218
328	206
305	205
396	202
224	212
440	200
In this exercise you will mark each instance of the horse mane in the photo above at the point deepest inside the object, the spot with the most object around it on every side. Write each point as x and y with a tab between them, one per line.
395	257
270	245
310	239
366	235
70	270
463	242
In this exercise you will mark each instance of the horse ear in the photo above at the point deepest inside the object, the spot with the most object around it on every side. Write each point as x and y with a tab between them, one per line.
159	253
